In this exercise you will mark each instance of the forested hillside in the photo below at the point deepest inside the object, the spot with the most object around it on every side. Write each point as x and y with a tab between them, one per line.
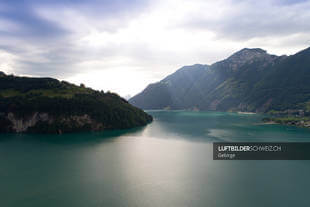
47	105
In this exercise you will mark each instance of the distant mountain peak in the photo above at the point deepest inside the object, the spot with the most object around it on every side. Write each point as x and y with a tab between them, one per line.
255	50
248	53
245	56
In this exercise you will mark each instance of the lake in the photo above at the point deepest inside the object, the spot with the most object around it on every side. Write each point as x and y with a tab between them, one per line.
165	164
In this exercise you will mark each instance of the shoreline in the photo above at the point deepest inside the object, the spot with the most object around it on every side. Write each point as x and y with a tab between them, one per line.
243	112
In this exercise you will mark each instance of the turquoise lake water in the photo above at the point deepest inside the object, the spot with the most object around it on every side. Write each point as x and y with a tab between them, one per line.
165	164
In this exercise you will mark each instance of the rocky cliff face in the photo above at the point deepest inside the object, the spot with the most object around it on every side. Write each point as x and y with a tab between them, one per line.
245	57
22	124
38	119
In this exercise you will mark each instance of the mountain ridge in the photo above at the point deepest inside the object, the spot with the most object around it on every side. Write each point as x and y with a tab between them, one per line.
248	80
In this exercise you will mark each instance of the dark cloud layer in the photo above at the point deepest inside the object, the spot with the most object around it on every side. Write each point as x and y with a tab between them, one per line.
35	37
251	19
31	25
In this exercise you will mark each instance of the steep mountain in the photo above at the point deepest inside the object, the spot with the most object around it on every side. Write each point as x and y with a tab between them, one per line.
173	91
46	105
249	80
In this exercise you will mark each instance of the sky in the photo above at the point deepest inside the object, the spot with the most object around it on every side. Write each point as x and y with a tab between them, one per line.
124	45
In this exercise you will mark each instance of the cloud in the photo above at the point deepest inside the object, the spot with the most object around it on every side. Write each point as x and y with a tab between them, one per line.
244	20
45	36
123	45
27	24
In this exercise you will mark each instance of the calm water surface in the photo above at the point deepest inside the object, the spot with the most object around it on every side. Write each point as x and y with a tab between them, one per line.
166	164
